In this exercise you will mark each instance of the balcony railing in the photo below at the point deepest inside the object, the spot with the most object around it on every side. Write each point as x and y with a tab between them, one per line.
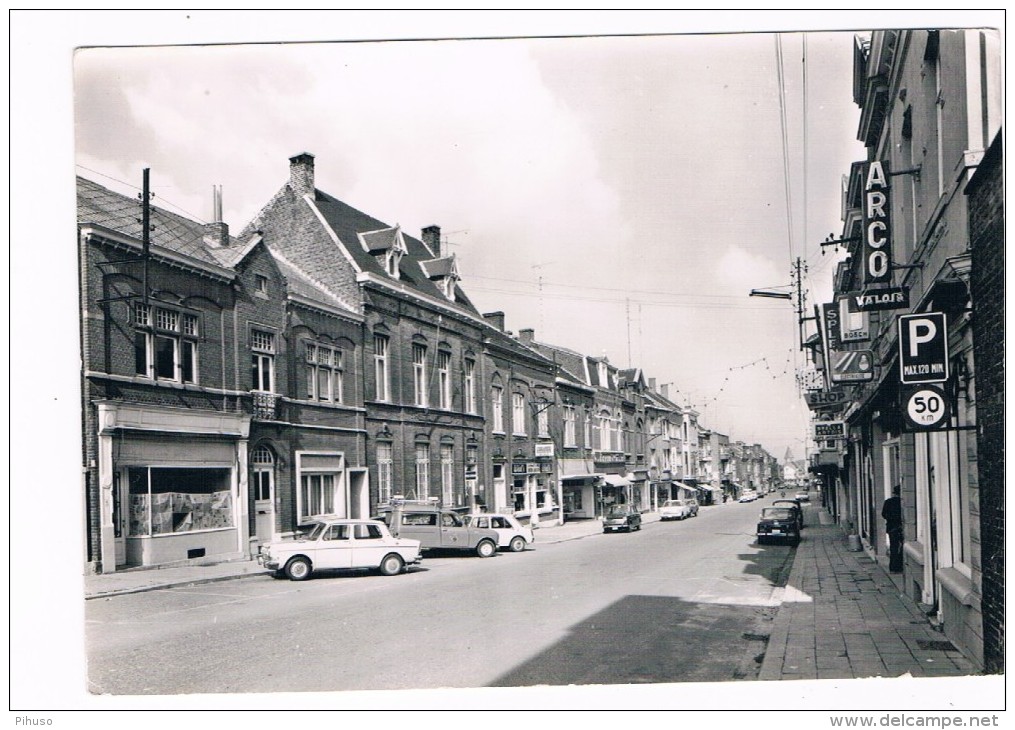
265	406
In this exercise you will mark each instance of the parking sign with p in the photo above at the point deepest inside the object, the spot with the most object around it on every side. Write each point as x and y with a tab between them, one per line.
923	348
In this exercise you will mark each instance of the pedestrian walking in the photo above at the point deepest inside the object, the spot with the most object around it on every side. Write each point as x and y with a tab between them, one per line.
892	514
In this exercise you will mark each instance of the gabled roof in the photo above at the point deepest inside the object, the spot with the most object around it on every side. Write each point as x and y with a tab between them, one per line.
302	285
662	403
103	207
570	362
348	224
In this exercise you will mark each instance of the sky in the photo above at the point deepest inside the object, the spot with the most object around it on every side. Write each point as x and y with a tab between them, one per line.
619	185
619	195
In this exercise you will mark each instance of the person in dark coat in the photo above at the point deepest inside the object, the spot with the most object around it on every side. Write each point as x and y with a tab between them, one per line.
892	514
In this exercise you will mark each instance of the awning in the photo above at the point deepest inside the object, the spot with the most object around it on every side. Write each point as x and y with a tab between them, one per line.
689	487
616	481
583	479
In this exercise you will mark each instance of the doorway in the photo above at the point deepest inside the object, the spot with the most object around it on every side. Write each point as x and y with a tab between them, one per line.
263	487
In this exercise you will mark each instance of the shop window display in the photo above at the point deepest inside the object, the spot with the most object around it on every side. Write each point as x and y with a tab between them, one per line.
166	500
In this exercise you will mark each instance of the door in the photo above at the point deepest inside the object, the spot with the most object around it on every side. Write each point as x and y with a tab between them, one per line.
334	549
359	494
119	520
262	485
499	488
368	546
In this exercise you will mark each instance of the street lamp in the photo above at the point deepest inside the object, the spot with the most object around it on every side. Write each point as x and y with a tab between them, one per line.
771	294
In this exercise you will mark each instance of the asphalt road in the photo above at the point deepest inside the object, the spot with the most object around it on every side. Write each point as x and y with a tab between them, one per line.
674	602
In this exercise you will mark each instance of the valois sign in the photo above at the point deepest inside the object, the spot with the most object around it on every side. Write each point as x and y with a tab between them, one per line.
874	300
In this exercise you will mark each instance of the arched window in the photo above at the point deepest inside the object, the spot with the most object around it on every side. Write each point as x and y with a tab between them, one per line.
262	461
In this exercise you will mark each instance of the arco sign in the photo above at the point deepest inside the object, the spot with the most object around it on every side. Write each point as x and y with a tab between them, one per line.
877	227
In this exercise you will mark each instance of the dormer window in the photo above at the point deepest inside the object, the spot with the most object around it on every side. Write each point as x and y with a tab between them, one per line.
443	273
387	246
391	261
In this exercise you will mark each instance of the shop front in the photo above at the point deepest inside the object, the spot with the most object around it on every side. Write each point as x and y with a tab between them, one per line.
173	485
581	494
534	491
615	490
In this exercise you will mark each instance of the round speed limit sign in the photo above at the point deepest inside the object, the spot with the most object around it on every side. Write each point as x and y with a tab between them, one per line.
927	407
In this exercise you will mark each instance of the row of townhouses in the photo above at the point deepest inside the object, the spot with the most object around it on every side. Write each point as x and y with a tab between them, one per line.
912	345
322	362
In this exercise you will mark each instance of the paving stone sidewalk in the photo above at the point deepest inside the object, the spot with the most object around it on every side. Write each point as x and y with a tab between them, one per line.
843	617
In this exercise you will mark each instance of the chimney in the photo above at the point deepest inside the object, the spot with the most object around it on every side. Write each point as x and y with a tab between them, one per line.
432	239
301	174
526	336
652	384
216	233
496	319
664	389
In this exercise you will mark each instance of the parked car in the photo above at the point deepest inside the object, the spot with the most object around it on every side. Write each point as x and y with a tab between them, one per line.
794	504
439	529
340	544
748	497
622	517
778	523
803	495
512	534
674	509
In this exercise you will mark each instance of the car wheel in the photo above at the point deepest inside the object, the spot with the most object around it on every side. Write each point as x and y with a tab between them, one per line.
391	565
517	544
486	549
298	569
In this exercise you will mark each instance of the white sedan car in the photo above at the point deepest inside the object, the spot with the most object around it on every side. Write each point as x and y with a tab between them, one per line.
511	534
674	509
748	497
340	544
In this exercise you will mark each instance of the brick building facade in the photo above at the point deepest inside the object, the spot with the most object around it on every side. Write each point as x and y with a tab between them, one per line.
987	285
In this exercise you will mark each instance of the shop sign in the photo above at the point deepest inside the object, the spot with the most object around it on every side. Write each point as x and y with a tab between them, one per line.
817	399
877	300
877	230
853	322
544	449
923	348
470	471
532	468
925	408
855	366
826	430
517	468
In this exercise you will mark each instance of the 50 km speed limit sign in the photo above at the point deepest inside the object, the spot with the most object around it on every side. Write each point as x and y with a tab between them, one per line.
925	408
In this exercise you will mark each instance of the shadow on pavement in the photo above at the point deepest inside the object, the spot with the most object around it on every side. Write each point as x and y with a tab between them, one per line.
650	639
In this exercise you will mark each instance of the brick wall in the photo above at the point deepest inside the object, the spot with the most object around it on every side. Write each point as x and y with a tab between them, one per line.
986	225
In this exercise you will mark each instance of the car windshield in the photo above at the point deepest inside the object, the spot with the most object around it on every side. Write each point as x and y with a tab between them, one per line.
776	513
674	503
619	510
314	533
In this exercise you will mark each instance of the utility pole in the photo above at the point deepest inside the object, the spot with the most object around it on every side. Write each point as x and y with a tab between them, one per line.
145	238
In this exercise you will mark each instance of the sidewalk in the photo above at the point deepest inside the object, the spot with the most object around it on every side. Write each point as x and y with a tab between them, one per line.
138	580
843	617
